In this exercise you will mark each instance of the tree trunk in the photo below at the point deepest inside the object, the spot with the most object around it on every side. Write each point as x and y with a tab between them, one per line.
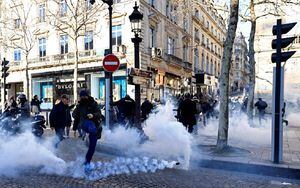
27	85
75	88
224	77
252	65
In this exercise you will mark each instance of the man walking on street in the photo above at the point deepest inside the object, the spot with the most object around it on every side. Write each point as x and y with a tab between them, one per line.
60	117
261	107
187	111
87	117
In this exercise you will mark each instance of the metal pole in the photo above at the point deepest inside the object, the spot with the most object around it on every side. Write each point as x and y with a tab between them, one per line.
277	94
108	75
137	92
4	79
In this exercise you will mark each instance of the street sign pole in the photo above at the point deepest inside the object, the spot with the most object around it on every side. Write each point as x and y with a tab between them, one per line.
111	63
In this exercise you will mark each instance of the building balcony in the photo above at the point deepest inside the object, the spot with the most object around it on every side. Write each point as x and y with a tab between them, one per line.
87	53
188	65
174	59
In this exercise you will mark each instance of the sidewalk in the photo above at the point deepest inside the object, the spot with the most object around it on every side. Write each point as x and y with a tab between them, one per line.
248	157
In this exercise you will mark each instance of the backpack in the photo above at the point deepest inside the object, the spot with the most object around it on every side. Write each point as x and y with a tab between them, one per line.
90	127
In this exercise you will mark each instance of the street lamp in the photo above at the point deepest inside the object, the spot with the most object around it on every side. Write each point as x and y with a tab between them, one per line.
135	18
108	75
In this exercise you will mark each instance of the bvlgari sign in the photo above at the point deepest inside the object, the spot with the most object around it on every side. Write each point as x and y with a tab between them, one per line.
69	85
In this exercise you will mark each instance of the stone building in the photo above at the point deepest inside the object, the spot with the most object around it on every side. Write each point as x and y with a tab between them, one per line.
209	34
239	72
41	46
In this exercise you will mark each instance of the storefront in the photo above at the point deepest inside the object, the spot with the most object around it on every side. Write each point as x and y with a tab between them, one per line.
120	86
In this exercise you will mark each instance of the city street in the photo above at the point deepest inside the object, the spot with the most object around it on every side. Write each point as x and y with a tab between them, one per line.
166	178
196	177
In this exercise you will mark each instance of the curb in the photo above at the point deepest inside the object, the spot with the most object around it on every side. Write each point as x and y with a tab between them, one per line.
258	169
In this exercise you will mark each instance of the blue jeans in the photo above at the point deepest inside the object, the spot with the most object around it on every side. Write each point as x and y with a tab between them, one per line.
60	135
92	147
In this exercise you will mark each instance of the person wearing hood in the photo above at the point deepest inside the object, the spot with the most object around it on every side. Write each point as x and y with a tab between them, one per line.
87	119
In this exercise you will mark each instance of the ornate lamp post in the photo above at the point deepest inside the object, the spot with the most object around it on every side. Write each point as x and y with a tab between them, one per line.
135	18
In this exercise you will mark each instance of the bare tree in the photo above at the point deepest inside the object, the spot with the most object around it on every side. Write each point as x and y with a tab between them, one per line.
18	33
224	77
73	18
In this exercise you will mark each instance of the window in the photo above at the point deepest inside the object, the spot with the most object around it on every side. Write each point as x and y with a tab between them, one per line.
42	14
196	59
17	23
42	47
203	39
185	55
17	55
211	46
207	24
117	1
117	35
185	24
152	37
171	46
196	34
88	41
64	48
207	64
197	13
207	42
203	61
63	7
88	5
167	9
211	67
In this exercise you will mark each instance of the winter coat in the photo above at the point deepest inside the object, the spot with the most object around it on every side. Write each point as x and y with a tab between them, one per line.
146	108
187	110
35	105
60	116
261	105
126	107
24	108
83	109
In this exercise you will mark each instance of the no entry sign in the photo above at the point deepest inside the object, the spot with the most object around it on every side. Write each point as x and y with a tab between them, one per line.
111	63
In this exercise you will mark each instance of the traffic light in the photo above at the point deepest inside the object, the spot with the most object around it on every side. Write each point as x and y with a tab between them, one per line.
280	42
278	57
5	68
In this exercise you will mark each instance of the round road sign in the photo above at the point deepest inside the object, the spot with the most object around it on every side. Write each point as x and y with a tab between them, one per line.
111	63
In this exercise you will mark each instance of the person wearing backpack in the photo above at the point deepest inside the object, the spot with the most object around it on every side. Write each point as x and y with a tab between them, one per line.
87	118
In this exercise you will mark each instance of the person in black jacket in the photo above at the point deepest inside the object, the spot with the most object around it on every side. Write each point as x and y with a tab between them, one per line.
87	110
126	108
35	105
146	108
187	110
60	117
261	107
